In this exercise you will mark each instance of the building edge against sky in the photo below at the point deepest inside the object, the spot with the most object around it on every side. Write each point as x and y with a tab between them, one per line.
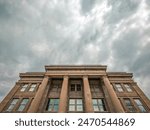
75	88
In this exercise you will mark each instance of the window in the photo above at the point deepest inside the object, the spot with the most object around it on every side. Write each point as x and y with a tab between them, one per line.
128	88
53	105
12	104
23	104
75	105
129	105
72	87
32	87
95	85
56	85
140	105
75	87
98	105
78	87
119	87
24	87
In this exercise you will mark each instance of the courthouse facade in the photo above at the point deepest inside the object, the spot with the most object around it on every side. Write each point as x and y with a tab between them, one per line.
75	88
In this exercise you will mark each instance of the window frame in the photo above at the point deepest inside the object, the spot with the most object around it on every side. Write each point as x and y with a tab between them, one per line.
117	88
130	106
99	105
24	87
12	104
139	105
76	105
23	104
128	87
31	87
51	106
74	87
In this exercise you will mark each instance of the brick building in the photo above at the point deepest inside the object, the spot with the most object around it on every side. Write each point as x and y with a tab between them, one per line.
75	88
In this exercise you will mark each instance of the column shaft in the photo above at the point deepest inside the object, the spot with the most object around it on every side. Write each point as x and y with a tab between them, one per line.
114	99
64	96
38	97
87	95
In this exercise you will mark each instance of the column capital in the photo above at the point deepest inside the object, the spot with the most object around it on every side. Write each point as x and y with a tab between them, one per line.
85	76
66	76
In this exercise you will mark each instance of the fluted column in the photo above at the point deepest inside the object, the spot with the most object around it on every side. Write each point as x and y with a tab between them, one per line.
114	99
38	97
87	95
64	96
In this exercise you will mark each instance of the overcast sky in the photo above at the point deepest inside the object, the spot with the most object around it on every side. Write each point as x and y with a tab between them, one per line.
34	33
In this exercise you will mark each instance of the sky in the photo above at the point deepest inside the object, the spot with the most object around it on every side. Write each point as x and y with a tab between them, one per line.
35	33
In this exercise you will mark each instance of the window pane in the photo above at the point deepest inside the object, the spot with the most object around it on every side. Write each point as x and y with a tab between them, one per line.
72	101
56	101
79	108
119	87
138	102
50	107
94	102
12	104
23	104
24	87
127	102
128	87
96	108
24	101
14	101
51	101
101	108
100	101
140	105
78	87
72	87
79	101
10	108
71	107
55	107
32	88
142	109
131	108
21	107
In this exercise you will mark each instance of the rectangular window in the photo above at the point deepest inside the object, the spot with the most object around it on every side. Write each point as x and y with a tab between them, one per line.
23	104
32	88
53	105
98	105
24	87
75	105
140	105
72	87
129	105
75	87
12	104
128	88
119	87
56	85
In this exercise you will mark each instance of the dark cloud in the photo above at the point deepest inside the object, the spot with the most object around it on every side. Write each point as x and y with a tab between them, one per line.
34	33
87	5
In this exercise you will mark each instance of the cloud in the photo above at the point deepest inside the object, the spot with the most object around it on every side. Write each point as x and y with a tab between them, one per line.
37	33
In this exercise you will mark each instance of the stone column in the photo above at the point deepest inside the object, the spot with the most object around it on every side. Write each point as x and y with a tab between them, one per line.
87	95
63	103
39	95
114	99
